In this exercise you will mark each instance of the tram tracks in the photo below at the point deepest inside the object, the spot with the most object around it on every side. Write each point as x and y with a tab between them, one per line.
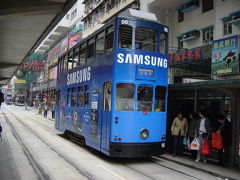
37	167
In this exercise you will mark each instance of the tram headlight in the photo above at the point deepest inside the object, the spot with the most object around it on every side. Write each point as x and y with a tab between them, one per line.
144	133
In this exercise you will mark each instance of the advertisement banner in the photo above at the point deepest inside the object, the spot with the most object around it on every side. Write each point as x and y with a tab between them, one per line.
225	57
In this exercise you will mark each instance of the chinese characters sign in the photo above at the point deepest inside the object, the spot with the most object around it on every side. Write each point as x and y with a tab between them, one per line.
225	56
189	55
33	65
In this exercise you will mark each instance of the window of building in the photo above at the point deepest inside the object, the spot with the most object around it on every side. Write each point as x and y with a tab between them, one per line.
180	43
90	49
125	97
100	44
144	98
107	96
227	27
146	39
109	39
86	96
207	5
160	99
207	35
164	43
74	97
69	97
180	16
80	97
82	54
125	36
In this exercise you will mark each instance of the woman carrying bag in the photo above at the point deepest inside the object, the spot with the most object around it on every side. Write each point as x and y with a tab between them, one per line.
203	132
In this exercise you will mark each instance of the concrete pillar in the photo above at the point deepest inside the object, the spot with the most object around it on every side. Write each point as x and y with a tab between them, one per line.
144	5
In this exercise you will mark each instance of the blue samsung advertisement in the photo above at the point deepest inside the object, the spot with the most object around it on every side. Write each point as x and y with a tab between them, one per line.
112	89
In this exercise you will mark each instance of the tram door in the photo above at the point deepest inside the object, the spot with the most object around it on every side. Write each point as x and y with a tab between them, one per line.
106	114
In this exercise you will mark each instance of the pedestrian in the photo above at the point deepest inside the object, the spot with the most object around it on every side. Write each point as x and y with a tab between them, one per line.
53	109
228	117
225	129
1	98
179	130
1	132
191	131
45	107
202	132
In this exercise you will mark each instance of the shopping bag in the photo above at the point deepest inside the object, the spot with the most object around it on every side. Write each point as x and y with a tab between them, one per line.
185	141
195	144
217	141
205	148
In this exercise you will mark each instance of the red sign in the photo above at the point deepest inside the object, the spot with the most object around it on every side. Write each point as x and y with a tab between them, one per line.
189	55
32	66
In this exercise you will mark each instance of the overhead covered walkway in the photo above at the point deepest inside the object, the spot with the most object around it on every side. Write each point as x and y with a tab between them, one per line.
24	25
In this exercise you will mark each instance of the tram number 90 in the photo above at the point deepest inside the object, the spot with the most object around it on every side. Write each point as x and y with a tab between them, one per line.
124	21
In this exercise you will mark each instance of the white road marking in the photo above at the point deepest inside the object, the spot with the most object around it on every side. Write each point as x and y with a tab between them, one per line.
109	170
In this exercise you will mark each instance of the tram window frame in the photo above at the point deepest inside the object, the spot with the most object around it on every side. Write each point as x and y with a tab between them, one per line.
99	51
121	103
90	49
68	97
139	32
144	104
125	36
160	100
107	96
65	59
109	38
80	93
75	57
86	96
164	48
82	54
70	60
73	96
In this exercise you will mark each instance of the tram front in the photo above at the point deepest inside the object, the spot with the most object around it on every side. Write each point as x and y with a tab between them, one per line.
138	120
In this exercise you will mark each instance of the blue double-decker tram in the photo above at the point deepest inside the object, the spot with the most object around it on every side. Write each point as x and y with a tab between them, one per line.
112	88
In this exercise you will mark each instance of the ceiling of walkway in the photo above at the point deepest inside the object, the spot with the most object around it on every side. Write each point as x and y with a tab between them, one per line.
23	26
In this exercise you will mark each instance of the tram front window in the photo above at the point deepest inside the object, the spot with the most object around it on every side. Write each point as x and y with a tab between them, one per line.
144	97
160	96
125	36
125	97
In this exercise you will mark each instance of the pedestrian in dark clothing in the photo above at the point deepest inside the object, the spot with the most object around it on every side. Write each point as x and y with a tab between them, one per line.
225	129
1	132
203	132
179	130
52	108
45	109
1	98
191	131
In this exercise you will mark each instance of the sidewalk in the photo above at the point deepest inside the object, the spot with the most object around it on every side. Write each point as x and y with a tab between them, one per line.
209	167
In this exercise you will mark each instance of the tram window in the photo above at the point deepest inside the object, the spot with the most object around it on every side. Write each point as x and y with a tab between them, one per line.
58	102
70	61
125	36
80	96
74	97
109	39
160	98
107	95
146	39
75	58
144	98
125	97
68	97
163	43
65	63
90	49
100	44
86	96
83	54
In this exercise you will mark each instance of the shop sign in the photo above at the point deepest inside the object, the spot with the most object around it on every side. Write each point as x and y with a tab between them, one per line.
19	81
74	39
33	65
225	57
189	55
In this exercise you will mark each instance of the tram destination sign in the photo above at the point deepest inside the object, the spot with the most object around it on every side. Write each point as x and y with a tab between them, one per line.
190	55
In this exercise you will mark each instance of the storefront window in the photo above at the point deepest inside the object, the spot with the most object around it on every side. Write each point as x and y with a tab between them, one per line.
125	97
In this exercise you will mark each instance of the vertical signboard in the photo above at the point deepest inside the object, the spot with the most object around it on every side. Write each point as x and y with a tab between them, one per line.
225	57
